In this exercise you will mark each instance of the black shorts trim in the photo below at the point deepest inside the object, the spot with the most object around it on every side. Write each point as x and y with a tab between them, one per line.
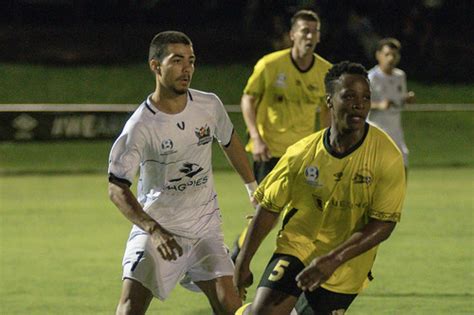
280	274
323	302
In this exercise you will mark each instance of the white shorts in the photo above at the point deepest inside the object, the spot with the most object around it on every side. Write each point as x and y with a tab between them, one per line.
203	259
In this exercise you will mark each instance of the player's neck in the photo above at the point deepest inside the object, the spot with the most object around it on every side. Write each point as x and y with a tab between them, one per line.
302	60
387	71
169	102
342	140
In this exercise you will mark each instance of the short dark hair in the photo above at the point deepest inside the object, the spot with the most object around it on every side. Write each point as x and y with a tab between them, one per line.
305	15
390	42
343	67
161	40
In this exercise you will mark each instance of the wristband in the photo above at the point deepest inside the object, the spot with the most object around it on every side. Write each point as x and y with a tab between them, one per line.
251	187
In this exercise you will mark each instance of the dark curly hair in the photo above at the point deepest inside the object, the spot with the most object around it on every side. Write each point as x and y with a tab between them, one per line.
343	67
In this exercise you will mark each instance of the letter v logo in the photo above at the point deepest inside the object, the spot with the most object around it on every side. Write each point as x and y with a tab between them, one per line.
180	125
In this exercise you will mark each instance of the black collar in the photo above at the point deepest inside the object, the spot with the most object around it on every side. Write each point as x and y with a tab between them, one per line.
338	155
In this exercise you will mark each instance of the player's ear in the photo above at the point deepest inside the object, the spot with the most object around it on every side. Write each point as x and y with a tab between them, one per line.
155	66
328	100
291	34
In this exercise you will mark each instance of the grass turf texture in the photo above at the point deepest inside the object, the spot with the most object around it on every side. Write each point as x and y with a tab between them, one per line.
131	83
61	240
61	244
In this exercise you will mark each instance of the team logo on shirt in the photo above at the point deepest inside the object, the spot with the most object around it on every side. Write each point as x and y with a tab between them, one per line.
189	177
167	147
312	173
180	125
280	80
337	176
203	134
363	176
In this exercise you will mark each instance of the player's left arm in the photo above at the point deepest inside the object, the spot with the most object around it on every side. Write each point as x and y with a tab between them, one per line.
237	157
322	267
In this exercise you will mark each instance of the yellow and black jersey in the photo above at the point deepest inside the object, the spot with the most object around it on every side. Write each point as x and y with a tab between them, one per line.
287	99
326	197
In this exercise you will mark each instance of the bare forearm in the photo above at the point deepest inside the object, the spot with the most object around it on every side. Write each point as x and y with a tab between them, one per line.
249	112
126	202
260	226
238	158
371	235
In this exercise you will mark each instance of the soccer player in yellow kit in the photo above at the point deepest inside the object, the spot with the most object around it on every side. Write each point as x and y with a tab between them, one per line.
341	192
281	98
283	94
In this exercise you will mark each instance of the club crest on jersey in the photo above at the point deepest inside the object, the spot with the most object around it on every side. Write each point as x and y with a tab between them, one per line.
280	80
312	174
203	134
363	176
167	147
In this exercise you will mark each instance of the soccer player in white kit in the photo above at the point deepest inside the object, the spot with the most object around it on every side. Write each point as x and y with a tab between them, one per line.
177	221
389	93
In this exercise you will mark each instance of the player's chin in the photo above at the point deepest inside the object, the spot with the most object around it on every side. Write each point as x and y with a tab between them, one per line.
309	48
355	124
181	90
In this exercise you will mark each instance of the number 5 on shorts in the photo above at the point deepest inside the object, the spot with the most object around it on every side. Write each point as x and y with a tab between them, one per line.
279	270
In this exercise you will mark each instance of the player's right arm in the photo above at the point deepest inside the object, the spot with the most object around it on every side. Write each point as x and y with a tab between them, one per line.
124	160
261	224
260	151
123	198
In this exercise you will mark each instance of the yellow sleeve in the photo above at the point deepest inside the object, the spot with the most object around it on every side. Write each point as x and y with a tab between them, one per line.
256	82
390	191
273	193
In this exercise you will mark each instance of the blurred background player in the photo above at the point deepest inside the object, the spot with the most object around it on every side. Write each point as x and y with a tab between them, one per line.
341	191
389	93
282	97
176	217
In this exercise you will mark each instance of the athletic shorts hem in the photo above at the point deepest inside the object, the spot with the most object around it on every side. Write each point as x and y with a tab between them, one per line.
215	276
153	291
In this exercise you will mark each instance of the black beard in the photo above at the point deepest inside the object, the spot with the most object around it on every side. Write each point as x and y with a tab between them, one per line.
180	92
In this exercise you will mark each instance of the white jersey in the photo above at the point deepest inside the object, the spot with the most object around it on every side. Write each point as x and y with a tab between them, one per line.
173	153
394	88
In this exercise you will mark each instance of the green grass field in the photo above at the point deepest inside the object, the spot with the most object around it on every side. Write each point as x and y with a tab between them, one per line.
62	242
131	83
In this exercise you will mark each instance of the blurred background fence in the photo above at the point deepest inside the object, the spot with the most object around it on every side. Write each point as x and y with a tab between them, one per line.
79	141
